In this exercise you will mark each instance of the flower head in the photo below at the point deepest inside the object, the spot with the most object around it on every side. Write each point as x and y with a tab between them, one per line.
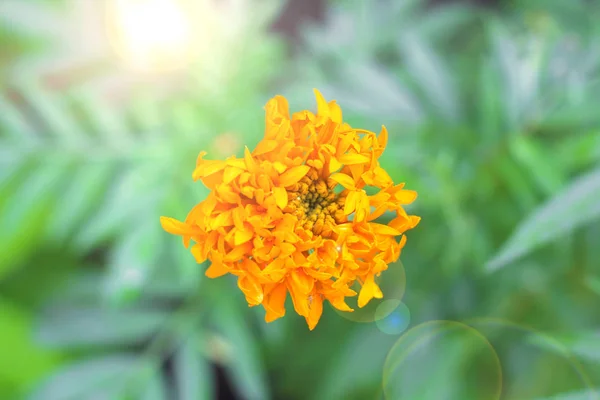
293	215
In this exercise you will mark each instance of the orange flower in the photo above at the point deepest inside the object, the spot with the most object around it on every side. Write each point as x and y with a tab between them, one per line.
277	220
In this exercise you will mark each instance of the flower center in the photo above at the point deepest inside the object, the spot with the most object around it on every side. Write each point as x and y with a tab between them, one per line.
316	205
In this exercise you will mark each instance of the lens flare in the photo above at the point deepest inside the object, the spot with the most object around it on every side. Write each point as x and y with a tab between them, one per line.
393	284
460	361
525	355
151	35
392	317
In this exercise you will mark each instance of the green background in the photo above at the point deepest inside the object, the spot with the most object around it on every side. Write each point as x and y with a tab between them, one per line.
494	118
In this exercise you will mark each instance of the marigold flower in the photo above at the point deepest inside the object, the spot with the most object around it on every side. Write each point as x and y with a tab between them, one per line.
277	220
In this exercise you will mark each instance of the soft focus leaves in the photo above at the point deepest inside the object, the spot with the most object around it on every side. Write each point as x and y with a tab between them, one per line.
492	118
23	361
81	327
194	376
244	362
103	377
575	205
591	394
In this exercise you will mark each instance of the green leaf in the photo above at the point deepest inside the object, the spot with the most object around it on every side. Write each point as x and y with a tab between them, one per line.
14	124
519	69
55	115
375	91
86	188
594	284
132	195
193	372
590	394
24	213
546	173
442	21
584	345
89	327
134	259
362	351
102	377
155	387
23	360
575	206
429	71
107	122
246	368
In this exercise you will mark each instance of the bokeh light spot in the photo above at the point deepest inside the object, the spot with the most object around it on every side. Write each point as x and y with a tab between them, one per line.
392	283
460	361
392	317
152	35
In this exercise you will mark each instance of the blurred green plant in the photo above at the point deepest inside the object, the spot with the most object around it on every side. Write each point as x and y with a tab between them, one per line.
85	178
492	117
493	120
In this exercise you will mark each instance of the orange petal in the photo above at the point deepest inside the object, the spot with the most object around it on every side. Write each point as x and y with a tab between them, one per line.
279	166
250	161
198	253
380	229
277	107
334	165
315	304
343	180
276	269
281	197
216	269
368	291
322	106
222	219
176	227
299	299
383	137
265	146
231	173
207	168
351	201
293	175
242	236
302	282
238	252
321	276
362	206
336	112
274	303
252	290
414	221
340	304
352	159
406	196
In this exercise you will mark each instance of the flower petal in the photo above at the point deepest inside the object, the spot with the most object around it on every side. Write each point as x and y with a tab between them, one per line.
343	180
216	269
368	291
301	281
252	290
352	159
242	236
274	303
281	197
265	146
315	305
293	175
405	196
380	229
176	227
322	106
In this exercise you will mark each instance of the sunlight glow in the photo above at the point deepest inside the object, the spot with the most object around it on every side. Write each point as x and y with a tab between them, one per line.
152	35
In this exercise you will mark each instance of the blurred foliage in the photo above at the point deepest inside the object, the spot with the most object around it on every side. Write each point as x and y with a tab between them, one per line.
493	118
